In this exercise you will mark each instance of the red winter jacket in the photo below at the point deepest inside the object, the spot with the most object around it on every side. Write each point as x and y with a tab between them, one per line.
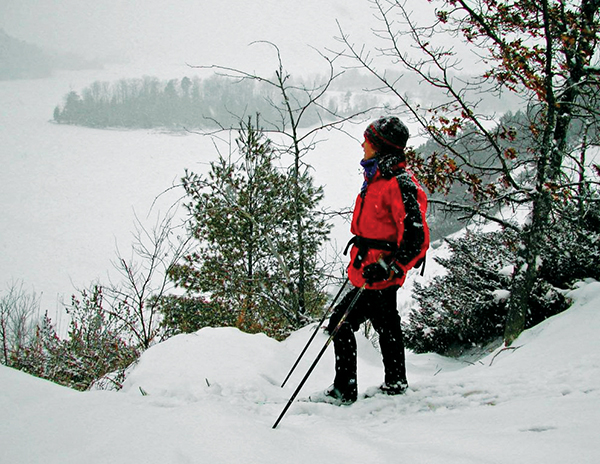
392	209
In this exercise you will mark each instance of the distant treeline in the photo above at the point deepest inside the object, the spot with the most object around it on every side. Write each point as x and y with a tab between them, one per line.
22	60
192	103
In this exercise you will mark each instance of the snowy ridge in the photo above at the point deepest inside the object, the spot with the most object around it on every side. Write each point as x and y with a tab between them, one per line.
213	396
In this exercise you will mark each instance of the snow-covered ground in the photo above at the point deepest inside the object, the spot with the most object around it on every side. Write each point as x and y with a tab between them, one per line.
213	397
70	195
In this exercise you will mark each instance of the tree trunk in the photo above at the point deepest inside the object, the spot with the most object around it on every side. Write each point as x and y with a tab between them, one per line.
301	310
526	270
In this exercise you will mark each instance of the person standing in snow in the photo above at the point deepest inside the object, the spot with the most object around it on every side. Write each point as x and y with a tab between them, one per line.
390	237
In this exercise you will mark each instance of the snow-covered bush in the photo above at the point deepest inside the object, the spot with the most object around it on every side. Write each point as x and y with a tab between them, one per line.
94	347
572	247
467	306
96	344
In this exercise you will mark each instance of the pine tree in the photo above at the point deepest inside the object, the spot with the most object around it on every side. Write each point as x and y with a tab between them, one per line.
244	219
469	305
466	306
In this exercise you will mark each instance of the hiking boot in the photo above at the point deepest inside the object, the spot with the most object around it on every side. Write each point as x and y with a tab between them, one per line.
396	388
333	395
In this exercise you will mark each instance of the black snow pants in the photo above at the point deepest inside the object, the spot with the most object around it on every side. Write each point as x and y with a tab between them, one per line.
379	307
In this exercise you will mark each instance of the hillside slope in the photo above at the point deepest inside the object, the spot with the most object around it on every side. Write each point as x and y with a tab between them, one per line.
213	396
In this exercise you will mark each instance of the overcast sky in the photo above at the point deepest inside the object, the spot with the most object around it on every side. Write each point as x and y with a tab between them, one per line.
192	31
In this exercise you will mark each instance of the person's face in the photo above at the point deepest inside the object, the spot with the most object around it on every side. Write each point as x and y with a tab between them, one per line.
369	150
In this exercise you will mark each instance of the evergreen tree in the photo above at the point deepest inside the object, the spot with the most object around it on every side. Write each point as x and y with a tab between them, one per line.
244	219
57	114
73	109
469	305
290	106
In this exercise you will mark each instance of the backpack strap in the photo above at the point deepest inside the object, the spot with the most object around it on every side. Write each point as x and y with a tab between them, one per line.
414	236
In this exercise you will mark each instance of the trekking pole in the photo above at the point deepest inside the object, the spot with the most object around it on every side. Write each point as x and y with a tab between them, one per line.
314	364
315	332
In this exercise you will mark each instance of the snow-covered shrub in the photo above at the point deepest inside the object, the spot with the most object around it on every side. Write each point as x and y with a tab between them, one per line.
93	348
96	344
468	306
572	247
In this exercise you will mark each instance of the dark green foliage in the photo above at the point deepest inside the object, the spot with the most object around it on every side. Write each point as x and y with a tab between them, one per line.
191	103
183	314
572	248
468	306
243	215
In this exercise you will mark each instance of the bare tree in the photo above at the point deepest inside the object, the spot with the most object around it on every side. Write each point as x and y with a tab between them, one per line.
135	300
18	318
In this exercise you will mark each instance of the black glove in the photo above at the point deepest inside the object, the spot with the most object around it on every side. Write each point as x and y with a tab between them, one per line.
376	272
380	270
